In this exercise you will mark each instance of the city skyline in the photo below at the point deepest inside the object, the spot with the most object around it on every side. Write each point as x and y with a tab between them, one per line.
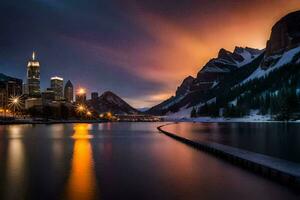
55	83
115	46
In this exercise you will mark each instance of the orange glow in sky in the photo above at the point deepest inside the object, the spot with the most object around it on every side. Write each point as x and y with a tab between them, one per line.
184	47
179	46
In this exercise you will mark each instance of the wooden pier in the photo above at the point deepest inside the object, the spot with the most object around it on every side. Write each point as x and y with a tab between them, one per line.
274	168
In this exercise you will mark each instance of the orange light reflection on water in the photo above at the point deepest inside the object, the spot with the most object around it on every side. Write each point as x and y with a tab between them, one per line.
82	181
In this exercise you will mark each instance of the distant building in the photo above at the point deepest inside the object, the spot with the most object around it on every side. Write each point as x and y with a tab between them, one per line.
33	77
69	92
33	102
57	84
25	90
9	87
94	96
48	96
81	97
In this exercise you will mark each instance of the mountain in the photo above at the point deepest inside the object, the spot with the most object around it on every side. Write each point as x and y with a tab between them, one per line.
208	77
243	78
185	86
225	64
285	36
110	102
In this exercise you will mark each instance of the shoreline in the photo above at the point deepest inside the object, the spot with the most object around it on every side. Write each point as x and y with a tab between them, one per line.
280	170
19	122
226	120
166	121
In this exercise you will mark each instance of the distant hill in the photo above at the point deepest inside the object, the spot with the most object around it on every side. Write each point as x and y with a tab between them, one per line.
110	102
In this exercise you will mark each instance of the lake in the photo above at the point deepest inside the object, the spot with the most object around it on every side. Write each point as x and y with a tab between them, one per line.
281	140
134	161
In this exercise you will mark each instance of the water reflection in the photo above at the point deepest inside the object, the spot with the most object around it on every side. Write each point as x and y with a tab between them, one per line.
275	139
82	181
15	176
105	126
128	161
14	132
57	131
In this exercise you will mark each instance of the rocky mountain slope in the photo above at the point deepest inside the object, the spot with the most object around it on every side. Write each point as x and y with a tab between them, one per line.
110	102
216	70
285	36
231	70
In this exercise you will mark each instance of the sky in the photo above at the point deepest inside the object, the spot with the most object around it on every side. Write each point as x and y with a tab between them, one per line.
139	49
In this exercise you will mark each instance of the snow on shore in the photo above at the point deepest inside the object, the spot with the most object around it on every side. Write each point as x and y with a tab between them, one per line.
184	116
253	118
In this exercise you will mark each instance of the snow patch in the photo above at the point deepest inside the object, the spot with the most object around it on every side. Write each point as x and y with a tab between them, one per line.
174	101
215	84
233	103
251	118
213	100
286	58
248	57
182	113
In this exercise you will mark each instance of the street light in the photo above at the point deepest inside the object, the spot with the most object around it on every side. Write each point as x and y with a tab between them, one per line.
88	113
80	108
15	103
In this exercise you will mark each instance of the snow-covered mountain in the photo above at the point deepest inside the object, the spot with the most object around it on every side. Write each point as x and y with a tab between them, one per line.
208	77
110	102
282	47
228	61
225	64
231	70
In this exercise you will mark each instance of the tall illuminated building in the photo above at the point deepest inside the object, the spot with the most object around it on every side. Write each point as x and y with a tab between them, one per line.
57	84
69	91
33	77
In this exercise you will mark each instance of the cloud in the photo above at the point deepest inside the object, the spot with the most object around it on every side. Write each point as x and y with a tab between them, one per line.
141	50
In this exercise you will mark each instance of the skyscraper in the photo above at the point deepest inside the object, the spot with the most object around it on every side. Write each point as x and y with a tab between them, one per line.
69	91
57	84
33	77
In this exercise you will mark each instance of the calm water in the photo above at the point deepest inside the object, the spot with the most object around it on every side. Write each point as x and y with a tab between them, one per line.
280	140
118	161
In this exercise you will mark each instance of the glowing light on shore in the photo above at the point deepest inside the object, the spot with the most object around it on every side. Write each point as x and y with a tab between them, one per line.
80	108
88	113
15	103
